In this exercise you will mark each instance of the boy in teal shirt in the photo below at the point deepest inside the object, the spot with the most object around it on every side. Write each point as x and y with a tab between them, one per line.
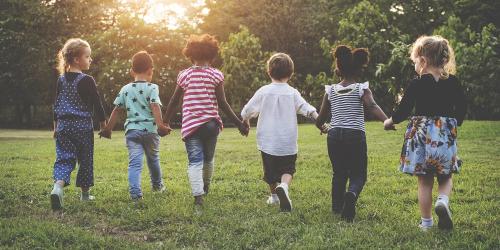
143	126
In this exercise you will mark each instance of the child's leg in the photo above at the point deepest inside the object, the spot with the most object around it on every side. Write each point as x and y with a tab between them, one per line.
151	148
64	165
425	183
442	209
135	155
85	147
359	161
339	177
209	144
287	179
65	158
194	148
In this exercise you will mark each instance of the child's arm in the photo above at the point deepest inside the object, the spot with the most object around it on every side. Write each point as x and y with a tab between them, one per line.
55	126
324	112
372	107
221	100
304	108
162	129
106	130
172	104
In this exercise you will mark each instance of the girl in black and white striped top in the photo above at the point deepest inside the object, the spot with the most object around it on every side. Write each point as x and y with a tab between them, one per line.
346	102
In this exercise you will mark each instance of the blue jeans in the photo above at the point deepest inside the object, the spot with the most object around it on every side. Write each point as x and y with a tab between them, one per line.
348	153
200	147
138	143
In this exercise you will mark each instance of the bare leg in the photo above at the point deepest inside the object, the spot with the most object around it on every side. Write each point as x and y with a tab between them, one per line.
425	184
445	187
286	178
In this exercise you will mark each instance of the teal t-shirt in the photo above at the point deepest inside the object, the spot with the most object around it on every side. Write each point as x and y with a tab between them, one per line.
136	98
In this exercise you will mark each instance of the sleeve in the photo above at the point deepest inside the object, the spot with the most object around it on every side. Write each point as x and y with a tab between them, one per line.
328	89
252	108
362	87
89	90
55	98
460	105
406	105
301	106
120	98
155	95
181	79
219	77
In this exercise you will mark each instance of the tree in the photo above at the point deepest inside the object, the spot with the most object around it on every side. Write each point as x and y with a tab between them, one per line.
243	67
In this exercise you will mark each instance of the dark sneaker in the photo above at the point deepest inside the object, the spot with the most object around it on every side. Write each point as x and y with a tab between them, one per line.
285	202
443	212
198	200
349	209
56	199
205	188
159	189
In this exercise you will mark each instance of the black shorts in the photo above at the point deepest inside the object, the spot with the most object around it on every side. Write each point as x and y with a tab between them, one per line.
276	166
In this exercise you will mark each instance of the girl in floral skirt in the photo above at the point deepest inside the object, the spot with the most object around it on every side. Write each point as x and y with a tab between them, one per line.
430	144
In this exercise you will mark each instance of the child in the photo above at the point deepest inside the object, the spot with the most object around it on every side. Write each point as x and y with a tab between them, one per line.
277	105
346	102
76	97
430	146
143	126
202	90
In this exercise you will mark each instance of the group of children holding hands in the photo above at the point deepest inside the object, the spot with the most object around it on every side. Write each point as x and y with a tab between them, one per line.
429	147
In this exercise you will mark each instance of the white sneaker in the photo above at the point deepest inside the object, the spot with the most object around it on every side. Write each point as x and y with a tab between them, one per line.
56	198
272	201
443	212
87	197
424	228
284	199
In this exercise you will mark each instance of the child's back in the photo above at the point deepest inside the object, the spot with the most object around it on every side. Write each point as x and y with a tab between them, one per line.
136	97
277	105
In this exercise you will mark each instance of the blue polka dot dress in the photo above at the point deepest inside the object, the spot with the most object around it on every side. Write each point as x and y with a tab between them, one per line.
74	135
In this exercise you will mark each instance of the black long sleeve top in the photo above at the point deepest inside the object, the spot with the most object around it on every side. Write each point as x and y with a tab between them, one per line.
87	90
430	98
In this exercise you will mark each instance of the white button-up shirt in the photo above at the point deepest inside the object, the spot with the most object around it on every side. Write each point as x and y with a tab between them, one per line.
277	106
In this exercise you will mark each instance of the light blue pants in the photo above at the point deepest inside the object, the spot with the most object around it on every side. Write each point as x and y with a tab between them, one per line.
138	144
201	150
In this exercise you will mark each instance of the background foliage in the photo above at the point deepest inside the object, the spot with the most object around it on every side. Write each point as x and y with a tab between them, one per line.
32	31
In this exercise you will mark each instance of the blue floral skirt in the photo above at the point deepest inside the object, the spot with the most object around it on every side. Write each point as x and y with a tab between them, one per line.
430	146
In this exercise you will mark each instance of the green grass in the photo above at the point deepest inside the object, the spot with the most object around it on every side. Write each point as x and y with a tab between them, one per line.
235	214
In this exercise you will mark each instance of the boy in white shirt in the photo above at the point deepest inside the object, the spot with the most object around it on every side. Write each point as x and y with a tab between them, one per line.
277	105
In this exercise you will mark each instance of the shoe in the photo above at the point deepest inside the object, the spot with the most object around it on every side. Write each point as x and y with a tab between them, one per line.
272	201
424	228
444	214
284	199
349	209
198	200
56	198
205	188
86	197
159	189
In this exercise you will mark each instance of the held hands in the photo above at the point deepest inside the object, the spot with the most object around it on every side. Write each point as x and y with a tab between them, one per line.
164	129
324	128
105	131
244	127
389	124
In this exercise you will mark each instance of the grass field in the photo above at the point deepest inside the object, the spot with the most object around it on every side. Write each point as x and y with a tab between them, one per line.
235	214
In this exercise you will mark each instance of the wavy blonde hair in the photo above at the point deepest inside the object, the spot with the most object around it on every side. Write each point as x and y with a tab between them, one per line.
438	53
72	49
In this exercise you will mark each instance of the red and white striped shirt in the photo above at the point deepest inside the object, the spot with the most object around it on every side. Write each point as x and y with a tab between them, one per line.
199	102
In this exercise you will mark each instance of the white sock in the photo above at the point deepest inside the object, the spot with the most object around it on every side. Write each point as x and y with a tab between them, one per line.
274	196
284	185
444	198
57	186
427	222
